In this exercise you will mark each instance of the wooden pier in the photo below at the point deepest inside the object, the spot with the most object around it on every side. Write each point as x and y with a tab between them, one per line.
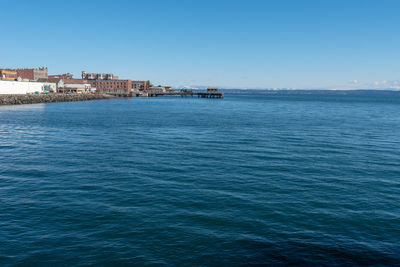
210	95
119	94
212	92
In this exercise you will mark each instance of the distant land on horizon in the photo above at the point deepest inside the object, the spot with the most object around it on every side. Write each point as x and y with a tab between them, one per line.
258	90
312	91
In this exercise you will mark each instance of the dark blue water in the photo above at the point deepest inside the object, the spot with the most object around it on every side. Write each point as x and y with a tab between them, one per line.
256	179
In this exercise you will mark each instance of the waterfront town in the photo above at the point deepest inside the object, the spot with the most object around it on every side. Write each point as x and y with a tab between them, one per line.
38	81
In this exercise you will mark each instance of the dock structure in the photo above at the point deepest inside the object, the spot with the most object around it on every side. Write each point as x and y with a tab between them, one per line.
212	92
119	94
186	92
210	95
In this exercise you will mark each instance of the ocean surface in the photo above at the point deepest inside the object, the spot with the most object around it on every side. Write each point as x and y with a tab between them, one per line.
246	180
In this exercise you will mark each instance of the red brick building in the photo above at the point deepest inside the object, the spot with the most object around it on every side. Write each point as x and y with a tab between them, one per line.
61	76
109	83
32	74
141	85
112	86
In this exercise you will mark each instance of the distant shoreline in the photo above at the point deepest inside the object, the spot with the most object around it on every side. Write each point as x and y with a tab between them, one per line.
311	91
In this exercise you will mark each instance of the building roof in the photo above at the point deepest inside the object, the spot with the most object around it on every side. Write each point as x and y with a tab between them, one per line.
66	81
49	80
65	75
76	81
108	80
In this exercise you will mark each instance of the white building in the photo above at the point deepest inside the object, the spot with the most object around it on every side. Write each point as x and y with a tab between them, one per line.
50	87
157	89
52	84
77	86
20	88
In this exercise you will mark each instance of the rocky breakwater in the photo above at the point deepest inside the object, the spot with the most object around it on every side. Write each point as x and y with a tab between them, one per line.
50	98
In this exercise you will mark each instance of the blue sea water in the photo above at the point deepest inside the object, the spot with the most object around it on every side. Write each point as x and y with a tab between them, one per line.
247	180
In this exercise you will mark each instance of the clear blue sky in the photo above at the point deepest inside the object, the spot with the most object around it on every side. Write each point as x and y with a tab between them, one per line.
227	43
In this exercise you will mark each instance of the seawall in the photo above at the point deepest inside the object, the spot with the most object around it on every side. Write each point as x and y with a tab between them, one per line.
50	98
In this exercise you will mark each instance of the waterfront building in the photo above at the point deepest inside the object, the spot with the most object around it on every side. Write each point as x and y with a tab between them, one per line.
62	85
62	76
31	74
121	87
50	87
98	76
169	89
157	89
52	84
76	86
212	89
8	75
108	83
20	88
141	85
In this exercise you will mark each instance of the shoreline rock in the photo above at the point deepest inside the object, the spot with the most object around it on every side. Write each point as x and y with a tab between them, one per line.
50	98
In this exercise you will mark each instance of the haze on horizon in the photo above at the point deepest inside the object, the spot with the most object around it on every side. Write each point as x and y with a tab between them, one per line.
342	44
